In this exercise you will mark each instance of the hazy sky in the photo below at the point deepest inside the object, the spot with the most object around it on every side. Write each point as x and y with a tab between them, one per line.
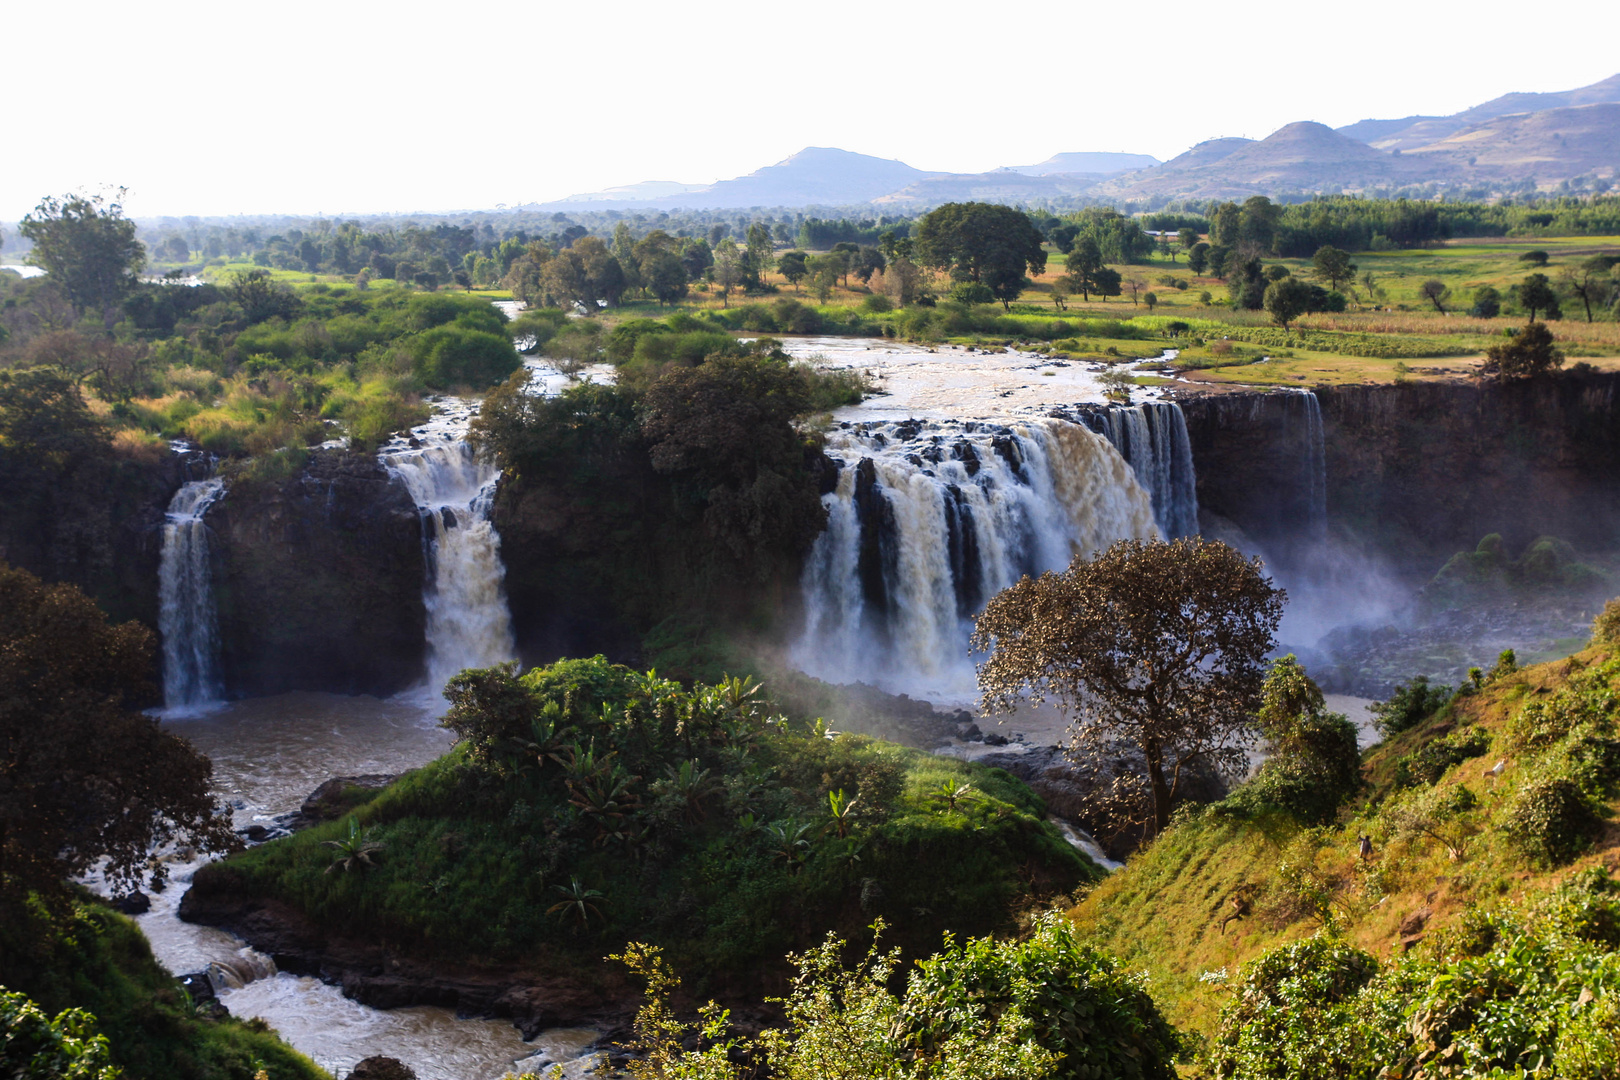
339	107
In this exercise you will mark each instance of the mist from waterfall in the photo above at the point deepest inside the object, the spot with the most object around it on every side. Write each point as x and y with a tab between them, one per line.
1152	436
928	520
187	621
464	591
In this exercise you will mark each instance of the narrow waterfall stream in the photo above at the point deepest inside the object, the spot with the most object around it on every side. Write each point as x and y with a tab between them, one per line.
929	519
186	617
468	622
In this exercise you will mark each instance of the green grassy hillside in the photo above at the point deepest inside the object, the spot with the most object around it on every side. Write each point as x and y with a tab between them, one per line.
1474	869
83	955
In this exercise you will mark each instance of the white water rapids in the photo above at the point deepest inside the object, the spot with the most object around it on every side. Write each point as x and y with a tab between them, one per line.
268	754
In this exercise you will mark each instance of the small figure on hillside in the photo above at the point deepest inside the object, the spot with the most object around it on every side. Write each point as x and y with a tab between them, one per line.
1366	848
1241	907
1495	771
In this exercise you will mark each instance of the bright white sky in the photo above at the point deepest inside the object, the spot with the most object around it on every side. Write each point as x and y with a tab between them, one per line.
336	106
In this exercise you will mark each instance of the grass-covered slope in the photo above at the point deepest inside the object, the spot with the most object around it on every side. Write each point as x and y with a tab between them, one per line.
588	805
1465	861
83	955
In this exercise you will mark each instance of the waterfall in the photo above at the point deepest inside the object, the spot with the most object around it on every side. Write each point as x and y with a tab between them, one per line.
186	617
929	520
1152	436
1314	463
464	592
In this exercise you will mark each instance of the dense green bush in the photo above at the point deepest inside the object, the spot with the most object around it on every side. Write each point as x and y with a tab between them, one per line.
1429	762
1551	820
1292	1015
39	1047
1314	763
1412	703
1081	1004
1606	627
642	811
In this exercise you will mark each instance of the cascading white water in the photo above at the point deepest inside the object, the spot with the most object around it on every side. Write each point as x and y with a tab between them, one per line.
186	617
468	622
929	520
1152	436
1314	464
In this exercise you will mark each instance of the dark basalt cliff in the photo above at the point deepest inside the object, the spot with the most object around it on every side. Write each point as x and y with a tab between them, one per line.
97	525
318	581
1419	471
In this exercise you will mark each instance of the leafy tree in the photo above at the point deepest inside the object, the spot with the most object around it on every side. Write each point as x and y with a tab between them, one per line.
1257	225
1286	300
1154	649
1535	293
1534	257
825	271
1333	265
868	261
1590	282
1225	225
1189	239
728	426
1528	352
1106	282
1412	703
697	257
1314	763
664	276
983	242
793	266
84	776
1084	262
1151	300
1220	257
1198	257
1487	303
88	247
756	259
1435	292
728	268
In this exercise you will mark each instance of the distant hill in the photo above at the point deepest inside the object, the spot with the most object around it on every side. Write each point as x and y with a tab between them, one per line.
1004	186
1103	164
1547	145
634	193
1547	138
1302	156
815	176
1422	131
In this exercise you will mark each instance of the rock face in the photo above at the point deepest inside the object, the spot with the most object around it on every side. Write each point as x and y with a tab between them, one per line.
99	526
1420	471
375	974
318	581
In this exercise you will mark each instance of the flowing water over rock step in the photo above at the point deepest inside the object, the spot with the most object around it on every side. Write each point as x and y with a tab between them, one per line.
187	620
929	519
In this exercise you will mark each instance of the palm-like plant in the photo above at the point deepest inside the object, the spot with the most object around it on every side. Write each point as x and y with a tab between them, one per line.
354	850
841	809
953	796
790	843
577	903
695	785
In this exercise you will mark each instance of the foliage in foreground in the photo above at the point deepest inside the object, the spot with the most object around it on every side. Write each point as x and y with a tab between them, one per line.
84	777
588	805
1045	1006
86	958
39	1047
1532	987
